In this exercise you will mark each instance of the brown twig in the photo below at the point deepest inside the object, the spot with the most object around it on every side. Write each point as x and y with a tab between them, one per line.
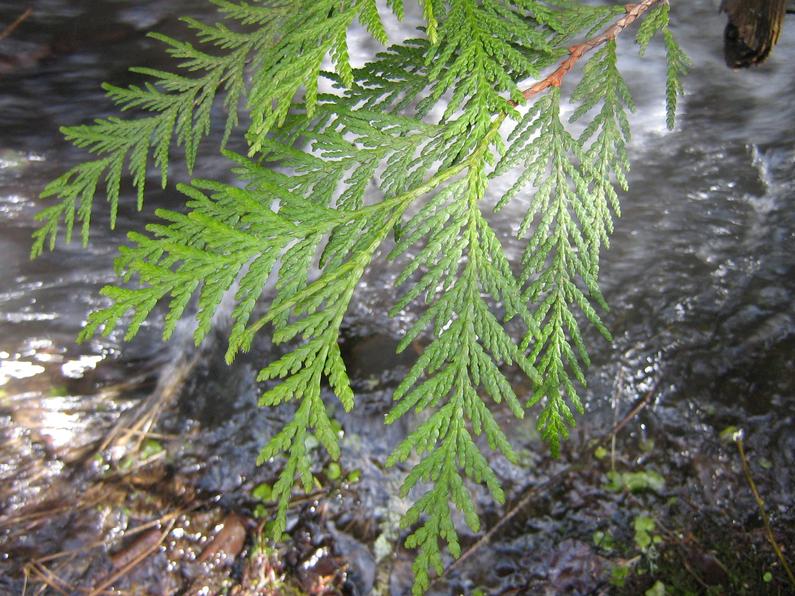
125	432
616	397
633	12
43	515
636	409
73	552
13	26
760	503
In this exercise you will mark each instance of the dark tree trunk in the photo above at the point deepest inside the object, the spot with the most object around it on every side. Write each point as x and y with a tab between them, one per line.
752	30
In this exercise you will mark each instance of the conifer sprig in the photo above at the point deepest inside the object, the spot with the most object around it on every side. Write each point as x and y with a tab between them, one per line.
317	311
606	138
181	104
407	146
557	256
463	262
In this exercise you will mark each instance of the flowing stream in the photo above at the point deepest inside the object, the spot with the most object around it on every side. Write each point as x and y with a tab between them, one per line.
700	278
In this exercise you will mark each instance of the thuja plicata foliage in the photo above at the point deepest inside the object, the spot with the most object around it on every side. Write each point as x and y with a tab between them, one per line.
432	122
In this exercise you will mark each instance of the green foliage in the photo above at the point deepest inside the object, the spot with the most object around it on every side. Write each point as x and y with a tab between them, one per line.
181	104
330	177
262	492
635	481
644	526
619	575
557	255
678	62
150	448
464	259
658	589
604	540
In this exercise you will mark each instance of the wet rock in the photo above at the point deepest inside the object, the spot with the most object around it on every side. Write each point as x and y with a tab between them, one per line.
361	563
708	567
322	573
574	568
227	544
373	360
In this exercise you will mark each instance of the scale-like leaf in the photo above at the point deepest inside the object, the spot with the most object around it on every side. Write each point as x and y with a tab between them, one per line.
404	147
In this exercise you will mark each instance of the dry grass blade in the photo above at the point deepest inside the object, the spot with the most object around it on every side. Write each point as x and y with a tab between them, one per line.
49	579
43	512
760	503
13	26
140	422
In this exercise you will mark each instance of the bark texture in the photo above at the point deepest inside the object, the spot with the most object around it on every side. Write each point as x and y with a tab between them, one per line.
753	29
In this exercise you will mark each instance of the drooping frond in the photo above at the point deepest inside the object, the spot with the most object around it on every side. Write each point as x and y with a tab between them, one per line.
678	65
235	239
459	372
557	268
606	137
576	18
655	21
317	311
313	30
483	49
181	104
402	147
233	236
201	252
480	54
677	61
